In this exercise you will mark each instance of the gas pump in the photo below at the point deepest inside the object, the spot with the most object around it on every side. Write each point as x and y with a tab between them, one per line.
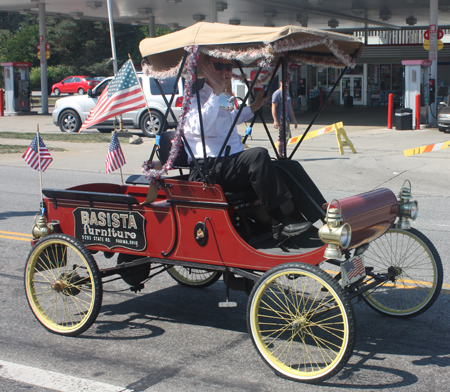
417	81
17	87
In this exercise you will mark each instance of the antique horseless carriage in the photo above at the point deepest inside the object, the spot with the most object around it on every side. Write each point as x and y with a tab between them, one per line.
299	313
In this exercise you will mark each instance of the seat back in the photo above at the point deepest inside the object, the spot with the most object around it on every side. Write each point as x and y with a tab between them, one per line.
165	144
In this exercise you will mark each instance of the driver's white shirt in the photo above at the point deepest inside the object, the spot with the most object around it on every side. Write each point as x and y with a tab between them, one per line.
216	124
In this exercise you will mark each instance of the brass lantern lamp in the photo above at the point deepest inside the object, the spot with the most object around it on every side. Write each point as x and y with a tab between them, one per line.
334	233
407	209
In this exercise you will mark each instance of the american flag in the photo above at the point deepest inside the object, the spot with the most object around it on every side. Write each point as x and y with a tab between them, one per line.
32	154
115	158
122	94
354	267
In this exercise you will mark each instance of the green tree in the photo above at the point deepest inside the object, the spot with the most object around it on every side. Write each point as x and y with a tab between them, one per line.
76	46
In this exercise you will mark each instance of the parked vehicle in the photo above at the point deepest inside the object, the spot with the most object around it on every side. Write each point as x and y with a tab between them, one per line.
100	78
71	112
74	84
443	110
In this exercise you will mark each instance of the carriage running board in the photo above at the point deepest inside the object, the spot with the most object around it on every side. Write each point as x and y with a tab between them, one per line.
227	303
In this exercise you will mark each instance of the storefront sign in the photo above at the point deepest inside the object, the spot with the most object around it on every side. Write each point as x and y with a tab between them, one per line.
110	228
433	44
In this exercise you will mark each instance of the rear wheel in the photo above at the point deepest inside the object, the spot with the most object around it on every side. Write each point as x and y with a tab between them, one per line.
133	275
69	121
80	91
193	277
63	285
301	322
418	268
150	128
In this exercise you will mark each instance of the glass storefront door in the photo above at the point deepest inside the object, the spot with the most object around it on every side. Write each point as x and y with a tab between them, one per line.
352	85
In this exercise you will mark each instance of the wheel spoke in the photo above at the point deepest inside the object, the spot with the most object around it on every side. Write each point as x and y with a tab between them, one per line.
299	323
63	285
418	271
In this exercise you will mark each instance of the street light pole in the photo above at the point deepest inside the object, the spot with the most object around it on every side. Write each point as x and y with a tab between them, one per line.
111	33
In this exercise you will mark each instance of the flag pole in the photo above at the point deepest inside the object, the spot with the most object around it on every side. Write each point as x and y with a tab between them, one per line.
145	98
40	171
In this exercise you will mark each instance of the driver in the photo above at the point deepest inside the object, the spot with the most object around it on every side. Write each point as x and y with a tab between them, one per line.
252	167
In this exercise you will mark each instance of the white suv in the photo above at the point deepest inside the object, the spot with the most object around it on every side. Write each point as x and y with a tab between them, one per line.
70	112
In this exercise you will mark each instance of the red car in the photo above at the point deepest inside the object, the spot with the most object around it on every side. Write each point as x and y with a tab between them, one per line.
74	84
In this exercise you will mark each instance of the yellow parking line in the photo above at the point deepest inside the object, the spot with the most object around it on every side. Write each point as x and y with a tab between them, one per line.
15	236
445	287
11	232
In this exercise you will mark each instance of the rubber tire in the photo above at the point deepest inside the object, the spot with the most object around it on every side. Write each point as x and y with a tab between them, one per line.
69	121
315	292
47	266
80	91
146	126
396	248
57	92
193	277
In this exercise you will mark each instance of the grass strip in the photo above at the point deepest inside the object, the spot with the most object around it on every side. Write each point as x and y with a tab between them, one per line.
13	149
63	137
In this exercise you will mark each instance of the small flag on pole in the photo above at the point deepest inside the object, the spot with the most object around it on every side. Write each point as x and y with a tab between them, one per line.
115	158
33	153
122	94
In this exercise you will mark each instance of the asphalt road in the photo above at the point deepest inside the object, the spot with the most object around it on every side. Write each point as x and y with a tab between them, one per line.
172	338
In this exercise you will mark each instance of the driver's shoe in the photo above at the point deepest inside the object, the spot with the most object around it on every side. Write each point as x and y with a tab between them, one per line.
289	228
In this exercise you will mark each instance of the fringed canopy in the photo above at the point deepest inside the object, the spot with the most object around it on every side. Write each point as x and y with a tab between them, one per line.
253	45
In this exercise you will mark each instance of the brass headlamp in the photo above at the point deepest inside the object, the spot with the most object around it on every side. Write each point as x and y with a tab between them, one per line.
407	209
334	233
41	227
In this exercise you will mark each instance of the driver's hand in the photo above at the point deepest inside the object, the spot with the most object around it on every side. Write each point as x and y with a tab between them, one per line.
260	100
218	80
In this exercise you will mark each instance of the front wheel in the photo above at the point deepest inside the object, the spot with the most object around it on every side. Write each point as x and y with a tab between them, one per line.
63	285
56	91
418	270
150	128
193	277
301	322
69	121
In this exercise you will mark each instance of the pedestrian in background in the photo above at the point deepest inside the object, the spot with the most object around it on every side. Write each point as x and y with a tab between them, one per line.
277	108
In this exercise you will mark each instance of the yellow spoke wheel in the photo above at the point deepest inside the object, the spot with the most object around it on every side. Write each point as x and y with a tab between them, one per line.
193	277
63	285
418	269
301	322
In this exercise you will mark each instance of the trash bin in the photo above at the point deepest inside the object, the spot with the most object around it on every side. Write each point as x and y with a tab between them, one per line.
313	104
403	119
348	101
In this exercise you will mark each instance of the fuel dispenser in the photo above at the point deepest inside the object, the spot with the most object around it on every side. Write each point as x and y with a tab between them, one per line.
17	87
417	81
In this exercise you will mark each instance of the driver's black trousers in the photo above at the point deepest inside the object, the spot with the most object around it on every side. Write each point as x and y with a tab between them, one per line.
274	182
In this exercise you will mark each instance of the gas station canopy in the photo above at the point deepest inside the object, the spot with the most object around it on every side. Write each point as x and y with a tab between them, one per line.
176	14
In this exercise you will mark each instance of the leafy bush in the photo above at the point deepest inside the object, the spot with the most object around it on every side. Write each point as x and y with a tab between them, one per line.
55	73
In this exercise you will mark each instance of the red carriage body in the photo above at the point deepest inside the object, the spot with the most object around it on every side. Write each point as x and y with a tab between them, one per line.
299	317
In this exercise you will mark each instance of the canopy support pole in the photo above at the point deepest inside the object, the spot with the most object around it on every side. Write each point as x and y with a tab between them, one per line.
319	111
269	86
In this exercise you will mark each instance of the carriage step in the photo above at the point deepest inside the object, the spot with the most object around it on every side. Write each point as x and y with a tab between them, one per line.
227	304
